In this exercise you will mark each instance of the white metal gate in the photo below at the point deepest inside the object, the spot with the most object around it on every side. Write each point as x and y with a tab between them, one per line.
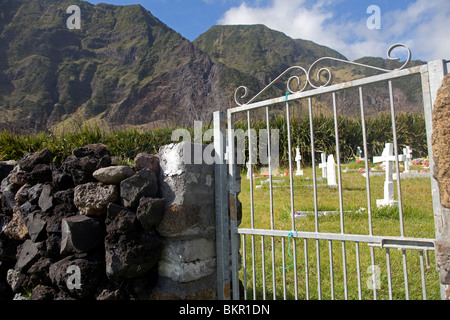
259	267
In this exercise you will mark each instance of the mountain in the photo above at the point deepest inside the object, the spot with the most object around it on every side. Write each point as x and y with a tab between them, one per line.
259	51
264	54
125	67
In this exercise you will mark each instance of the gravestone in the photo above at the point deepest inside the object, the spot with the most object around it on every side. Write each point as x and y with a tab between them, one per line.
359	154
388	158
407	152
298	157
323	164
331	171
248	170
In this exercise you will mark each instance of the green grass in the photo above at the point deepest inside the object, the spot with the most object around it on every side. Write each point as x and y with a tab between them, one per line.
418	223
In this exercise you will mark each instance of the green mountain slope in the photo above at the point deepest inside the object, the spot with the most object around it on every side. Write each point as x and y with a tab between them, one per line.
264	54
125	67
123	64
259	51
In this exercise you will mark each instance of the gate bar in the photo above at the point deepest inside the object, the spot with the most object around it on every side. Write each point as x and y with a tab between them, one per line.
408	243
233	203
221	203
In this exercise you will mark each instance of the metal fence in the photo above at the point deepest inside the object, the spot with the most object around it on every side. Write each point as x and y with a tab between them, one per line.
345	263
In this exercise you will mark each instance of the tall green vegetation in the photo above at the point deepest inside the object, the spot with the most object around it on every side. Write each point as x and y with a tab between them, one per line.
411	131
126	144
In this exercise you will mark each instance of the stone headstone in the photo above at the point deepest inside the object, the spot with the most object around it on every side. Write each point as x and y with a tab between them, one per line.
407	152
323	164
298	158
331	171
388	158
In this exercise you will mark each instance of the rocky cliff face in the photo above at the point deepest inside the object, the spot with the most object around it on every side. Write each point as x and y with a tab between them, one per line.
123	65
126	67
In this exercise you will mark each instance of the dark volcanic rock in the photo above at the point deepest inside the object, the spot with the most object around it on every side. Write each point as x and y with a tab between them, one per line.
150	212
29	162
142	184
132	255
80	234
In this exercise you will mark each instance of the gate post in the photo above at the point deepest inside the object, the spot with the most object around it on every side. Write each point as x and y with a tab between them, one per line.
221	206
431	82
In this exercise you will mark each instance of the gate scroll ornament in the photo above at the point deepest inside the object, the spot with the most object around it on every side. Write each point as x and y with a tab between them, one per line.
318	75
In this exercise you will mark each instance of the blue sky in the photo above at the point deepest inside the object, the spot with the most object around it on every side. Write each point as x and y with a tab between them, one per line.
423	25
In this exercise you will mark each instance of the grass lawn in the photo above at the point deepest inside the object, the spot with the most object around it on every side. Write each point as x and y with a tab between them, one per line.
418	223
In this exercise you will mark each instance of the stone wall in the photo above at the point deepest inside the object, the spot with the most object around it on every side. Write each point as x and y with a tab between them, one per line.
441	152
88	229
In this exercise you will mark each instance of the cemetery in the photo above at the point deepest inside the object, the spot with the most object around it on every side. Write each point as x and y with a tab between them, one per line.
418	213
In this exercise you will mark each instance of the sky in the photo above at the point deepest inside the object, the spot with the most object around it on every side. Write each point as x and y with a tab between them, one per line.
355	28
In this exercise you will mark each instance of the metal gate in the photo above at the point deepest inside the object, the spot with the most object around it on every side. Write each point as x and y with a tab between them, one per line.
292	263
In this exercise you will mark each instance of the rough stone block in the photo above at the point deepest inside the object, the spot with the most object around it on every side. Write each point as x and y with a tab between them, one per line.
41	173
16	280
27	254
8	202
188	260
185	183
30	161
147	161
113	174
16	229
5	169
80	234
185	221
131	255
91	271
189	191
150	212
202	289
142	184
95	150
93	198
188	271
181	250
120	219
46	198
36	226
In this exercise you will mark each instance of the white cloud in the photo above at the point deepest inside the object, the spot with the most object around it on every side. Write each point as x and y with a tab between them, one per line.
424	25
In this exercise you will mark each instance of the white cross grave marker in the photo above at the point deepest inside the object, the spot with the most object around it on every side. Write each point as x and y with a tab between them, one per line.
323	164
298	157
388	158
407	152
331	171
